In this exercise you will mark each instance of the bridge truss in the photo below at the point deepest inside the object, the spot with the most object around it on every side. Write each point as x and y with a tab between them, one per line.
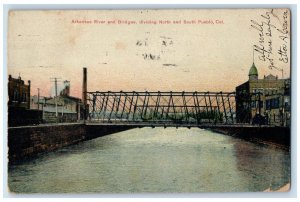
162	107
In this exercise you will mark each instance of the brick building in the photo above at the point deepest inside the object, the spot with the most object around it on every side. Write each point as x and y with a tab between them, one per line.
18	93
19	112
263	101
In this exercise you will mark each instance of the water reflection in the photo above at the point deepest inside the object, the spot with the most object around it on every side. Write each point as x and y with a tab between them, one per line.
154	160
248	158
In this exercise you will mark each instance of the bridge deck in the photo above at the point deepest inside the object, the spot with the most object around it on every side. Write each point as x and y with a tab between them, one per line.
187	125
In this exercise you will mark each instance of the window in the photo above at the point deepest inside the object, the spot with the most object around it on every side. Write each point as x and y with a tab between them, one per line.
286	104
16	96
268	106
276	102
272	103
24	97
260	104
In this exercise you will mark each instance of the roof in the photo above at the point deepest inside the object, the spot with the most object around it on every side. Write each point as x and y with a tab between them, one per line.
271	77
253	70
64	100
242	86
72	98
41	99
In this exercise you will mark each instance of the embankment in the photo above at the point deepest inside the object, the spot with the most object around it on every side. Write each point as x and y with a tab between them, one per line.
28	141
280	136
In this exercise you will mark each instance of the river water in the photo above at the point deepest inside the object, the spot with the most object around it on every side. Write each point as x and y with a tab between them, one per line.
158	160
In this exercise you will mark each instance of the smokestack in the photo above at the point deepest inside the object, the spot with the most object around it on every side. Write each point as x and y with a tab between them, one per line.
84	91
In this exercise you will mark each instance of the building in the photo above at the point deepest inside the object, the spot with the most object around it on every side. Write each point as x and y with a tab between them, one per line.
18	93
263	101
19	112
37	102
58	109
62	109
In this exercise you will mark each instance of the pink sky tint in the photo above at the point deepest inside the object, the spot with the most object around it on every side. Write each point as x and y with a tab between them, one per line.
177	57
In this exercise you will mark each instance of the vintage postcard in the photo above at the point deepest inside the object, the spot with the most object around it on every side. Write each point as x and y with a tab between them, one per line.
149	101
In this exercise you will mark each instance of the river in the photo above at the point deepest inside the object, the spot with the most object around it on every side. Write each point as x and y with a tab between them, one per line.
146	160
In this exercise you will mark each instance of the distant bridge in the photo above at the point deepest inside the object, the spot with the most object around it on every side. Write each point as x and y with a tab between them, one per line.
162	108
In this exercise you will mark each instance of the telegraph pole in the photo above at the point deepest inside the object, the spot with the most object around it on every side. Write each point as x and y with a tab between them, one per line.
55	99
56	112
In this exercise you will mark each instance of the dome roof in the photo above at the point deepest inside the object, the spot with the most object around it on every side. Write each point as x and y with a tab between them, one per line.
253	70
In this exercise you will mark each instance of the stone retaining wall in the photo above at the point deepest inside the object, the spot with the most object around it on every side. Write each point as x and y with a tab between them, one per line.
25	142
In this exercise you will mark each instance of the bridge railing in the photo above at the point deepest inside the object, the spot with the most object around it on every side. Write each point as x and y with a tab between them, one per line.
162	107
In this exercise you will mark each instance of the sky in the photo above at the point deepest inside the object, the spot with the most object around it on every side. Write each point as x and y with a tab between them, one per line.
153	50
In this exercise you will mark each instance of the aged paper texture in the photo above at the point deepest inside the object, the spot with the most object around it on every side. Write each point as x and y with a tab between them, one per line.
149	101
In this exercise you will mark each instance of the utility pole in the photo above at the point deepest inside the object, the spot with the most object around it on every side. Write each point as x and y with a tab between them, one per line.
56	114
55	99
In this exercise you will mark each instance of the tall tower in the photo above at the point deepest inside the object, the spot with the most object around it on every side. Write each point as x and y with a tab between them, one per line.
253	74
66	89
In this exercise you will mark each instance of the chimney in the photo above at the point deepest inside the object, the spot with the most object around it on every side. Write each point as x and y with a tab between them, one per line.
84	93
28	98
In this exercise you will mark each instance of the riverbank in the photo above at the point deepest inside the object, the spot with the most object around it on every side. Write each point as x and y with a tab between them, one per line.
276	136
25	142
28	141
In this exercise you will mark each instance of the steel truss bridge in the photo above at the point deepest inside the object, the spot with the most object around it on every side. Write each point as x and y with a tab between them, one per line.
157	108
